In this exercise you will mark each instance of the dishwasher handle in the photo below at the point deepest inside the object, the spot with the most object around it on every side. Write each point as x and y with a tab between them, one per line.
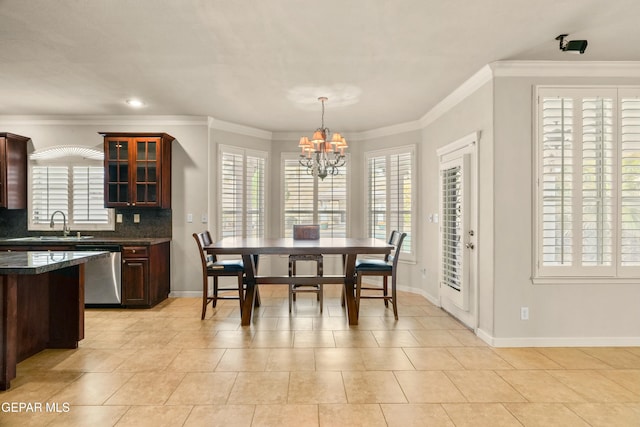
103	248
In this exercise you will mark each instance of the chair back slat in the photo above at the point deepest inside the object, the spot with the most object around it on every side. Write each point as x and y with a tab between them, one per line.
395	239
306	232
204	239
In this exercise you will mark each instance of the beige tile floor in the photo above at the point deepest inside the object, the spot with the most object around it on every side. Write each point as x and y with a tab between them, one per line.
166	367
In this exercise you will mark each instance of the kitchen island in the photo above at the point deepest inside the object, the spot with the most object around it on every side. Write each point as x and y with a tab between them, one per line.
41	304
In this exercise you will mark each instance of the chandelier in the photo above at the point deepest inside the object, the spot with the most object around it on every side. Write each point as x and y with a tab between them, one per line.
320	155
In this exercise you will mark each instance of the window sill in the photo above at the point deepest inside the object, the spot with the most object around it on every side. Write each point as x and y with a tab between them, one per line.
585	280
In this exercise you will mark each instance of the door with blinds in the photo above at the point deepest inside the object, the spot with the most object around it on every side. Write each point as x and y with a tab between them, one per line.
457	236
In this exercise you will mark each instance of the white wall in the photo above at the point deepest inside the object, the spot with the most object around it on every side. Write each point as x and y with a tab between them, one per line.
473	114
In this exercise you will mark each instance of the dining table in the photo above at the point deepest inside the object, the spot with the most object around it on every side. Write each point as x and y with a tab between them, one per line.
251	248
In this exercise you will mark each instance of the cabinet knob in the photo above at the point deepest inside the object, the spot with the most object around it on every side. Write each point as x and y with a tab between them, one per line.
133	251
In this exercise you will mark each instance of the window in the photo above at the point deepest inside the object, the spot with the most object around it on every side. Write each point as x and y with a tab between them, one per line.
390	178
70	180
242	186
310	200
588	182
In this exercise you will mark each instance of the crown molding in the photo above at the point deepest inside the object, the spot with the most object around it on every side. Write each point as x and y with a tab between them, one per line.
565	68
105	120
391	130
217	124
472	84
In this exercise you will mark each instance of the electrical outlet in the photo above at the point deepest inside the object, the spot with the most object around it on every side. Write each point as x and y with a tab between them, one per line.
524	313
189	217
204	218
136	218
119	218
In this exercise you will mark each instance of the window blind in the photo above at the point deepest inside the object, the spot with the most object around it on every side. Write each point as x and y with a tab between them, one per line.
88	196
232	193
588	182
452	251
255	177
630	182
597	181
390	193
310	200
50	191
242	192
78	191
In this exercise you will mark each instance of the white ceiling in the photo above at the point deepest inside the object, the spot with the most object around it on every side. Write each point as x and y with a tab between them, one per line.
263	63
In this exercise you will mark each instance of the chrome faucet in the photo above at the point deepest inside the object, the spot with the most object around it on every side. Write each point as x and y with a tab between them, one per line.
65	230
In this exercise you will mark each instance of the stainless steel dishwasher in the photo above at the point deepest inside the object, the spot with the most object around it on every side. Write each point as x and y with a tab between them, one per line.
102	277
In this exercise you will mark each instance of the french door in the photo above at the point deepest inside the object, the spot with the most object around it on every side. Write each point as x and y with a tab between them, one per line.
458	231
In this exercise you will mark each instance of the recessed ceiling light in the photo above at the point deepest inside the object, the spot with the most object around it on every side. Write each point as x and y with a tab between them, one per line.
135	103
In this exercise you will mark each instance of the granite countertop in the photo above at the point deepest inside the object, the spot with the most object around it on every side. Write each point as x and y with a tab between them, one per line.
83	240
37	262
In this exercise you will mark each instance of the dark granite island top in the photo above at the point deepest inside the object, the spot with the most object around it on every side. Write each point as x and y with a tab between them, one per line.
41	304
38	262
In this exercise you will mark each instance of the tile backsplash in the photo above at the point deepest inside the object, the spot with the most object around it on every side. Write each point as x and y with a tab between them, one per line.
153	223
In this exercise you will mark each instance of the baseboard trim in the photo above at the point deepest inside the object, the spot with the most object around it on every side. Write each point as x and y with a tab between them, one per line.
558	341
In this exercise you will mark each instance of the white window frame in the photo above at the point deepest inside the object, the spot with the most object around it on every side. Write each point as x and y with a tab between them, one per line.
286	229
576	273
244	153
69	157
409	247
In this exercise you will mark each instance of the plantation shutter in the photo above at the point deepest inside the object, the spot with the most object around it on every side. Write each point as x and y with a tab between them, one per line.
400	196
452	226
597	181
49	192
630	182
242	192
88	196
332	204
580	194
377	173
232	191
557	181
299	196
255	196
390	192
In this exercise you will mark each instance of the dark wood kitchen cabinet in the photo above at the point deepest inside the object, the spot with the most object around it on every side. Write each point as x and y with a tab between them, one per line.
13	171
145	275
137	170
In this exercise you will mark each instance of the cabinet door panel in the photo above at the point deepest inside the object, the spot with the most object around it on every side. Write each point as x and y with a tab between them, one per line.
135	282
138	170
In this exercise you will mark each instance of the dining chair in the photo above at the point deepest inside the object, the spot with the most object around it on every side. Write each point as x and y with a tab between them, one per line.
381	267
212	267
305	232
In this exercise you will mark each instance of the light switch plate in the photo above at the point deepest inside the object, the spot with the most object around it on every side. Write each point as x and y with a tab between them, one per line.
204	218
119	218
189	217
136	218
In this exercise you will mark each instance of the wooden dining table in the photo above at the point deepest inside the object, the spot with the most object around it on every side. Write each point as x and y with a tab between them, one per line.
250	248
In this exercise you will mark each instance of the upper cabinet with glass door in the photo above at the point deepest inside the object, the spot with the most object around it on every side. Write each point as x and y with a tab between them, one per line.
137	170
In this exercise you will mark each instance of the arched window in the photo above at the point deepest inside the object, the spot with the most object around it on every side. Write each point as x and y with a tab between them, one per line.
68	179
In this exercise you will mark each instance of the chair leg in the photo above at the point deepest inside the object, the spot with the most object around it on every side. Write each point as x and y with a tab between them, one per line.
215	292
393	296
320	297
385	291
291	274
358	292
205	296
241	291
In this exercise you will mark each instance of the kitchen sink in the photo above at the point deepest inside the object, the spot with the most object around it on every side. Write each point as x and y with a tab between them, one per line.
50	238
